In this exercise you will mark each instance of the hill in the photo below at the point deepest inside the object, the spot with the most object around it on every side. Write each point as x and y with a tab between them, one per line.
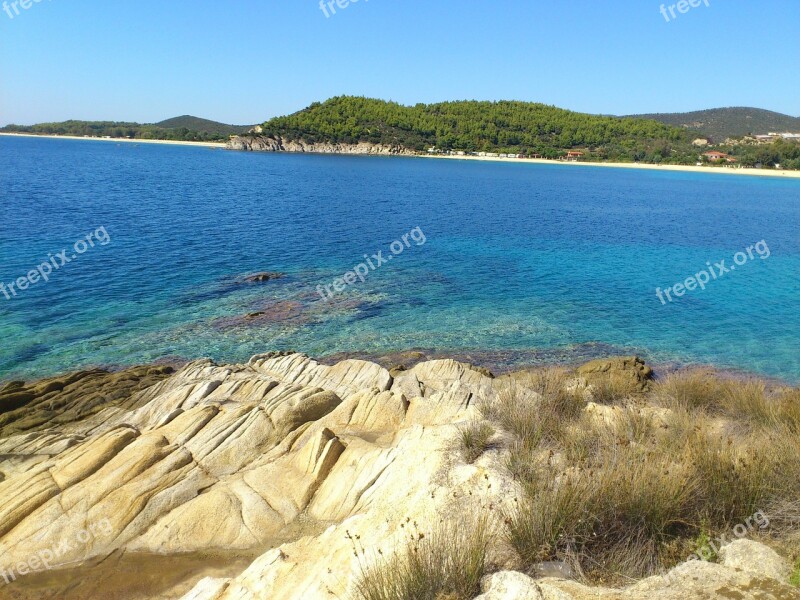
472	126
185	128
723	123
198	124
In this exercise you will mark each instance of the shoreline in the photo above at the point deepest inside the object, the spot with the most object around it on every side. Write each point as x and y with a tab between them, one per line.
619	165
536	161
118	140
484	361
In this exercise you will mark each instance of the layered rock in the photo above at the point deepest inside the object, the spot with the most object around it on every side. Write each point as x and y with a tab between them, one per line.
280	144
314	470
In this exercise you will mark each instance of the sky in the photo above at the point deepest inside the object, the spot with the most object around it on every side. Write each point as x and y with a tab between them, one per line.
245	61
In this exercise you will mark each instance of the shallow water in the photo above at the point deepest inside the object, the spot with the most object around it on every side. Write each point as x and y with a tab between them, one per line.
518	260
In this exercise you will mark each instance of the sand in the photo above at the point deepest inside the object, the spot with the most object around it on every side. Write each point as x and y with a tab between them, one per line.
689	168
118	140
535	161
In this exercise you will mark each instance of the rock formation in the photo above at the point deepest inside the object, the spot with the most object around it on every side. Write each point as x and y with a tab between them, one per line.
310	470
279	144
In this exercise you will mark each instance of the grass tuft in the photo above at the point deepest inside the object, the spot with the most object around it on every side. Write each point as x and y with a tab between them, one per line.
535	407
614	389
449	563
475	439
693	390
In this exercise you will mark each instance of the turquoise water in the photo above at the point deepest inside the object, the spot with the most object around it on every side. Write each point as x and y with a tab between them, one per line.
526	261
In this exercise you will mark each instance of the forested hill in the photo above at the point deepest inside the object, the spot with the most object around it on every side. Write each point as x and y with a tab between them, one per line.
197	124
506	126
186	128
723	123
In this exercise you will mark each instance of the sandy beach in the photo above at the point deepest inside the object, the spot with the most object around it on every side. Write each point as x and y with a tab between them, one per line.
689	168
125	140
539	161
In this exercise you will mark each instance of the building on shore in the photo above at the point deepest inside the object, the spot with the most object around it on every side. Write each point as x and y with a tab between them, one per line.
573	155
715	155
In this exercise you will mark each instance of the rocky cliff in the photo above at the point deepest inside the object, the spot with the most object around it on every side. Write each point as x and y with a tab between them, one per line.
279	144
279	479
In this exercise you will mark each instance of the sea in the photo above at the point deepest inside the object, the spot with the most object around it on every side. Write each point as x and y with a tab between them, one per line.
116	254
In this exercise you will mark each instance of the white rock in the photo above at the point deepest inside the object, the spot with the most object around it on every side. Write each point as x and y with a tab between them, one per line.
755	558
509	585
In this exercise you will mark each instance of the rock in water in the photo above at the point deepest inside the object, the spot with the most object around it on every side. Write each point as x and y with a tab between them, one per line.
263	277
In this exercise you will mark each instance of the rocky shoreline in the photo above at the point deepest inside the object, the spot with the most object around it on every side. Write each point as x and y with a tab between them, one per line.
279	144
260	143
282	477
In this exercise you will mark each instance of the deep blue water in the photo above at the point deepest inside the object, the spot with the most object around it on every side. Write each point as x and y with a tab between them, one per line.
544	259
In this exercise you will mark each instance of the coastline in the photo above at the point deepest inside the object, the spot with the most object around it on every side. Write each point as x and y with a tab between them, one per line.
618	165
118	140
538	161
486	361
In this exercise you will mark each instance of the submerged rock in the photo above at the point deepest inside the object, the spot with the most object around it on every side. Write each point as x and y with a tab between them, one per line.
283	311
263	277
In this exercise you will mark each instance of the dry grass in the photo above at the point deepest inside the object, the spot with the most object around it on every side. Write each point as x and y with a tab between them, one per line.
748	402
475	439
612	512
535	407
752	402
693	390
536	410
447	564
625	496
615	390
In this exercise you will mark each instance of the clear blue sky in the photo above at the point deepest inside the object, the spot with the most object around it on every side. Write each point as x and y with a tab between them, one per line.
243	61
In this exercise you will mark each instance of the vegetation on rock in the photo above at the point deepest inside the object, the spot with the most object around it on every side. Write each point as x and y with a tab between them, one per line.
448	563
625	490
